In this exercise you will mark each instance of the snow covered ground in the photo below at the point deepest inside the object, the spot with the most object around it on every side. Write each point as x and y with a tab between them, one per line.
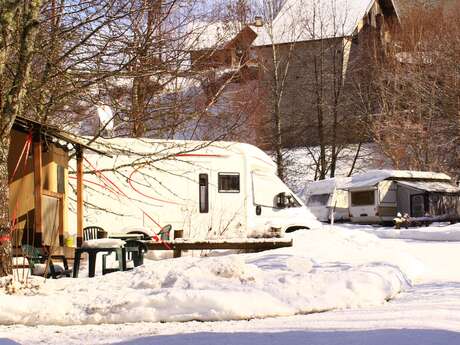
373	291
435	232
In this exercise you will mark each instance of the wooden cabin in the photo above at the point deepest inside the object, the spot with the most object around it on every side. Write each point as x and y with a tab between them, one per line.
38	165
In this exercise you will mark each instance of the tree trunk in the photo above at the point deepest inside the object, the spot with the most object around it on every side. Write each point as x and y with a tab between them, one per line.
12	98
5	235
5	252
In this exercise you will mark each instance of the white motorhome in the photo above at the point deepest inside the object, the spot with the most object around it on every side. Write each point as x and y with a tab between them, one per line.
377	196
208	190
324	198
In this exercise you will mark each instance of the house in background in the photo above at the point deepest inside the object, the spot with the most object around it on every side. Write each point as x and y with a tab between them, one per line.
332	38
325	49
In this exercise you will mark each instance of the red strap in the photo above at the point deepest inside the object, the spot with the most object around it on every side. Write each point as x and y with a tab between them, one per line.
5	238
130	182
24	149
102	176
104	186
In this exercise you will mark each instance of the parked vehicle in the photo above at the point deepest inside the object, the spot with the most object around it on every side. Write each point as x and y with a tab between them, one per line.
208	190
378	195
325	199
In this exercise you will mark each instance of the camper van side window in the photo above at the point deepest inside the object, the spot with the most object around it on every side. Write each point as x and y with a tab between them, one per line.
318	199
204	193
362	198
229	183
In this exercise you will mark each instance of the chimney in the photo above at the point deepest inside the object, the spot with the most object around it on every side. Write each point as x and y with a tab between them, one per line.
258	21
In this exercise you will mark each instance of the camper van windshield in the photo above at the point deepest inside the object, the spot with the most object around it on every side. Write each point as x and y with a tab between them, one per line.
318	200
267	189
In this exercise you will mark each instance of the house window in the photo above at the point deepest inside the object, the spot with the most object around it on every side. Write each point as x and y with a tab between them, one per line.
229	183
363	198
204	193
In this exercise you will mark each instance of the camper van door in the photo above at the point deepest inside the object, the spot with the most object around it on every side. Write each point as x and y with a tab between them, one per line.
266	211
227	205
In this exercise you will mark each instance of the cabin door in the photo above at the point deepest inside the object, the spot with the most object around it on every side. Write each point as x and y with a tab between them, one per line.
417	205
52	217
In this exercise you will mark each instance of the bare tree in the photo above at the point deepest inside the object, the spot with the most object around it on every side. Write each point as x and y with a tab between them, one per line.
418	93
275	61
312	67
61	59
19	26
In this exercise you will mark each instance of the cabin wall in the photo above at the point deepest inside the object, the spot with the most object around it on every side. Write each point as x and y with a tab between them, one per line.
21	187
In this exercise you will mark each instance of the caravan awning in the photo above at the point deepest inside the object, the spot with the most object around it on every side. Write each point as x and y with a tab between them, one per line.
431	186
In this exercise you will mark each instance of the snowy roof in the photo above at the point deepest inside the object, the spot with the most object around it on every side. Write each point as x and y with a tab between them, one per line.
373	177
211	35
326	186
306	20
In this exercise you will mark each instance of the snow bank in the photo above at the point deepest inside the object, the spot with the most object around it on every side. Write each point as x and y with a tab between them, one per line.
323	271
431	233
334	245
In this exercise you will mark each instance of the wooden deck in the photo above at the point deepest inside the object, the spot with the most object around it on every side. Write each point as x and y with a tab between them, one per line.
249	244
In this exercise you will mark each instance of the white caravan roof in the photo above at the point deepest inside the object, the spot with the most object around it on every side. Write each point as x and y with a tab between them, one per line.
179	148
373	177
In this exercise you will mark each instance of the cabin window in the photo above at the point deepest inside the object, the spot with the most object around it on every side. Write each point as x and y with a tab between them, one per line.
204	193
229	183
363	198
60	179
318	200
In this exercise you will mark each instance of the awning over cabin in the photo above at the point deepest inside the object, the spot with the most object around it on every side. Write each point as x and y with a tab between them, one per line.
371	178
431	186
26	125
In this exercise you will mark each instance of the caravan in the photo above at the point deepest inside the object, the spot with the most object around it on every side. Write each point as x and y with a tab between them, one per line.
325	199
208	190
376	196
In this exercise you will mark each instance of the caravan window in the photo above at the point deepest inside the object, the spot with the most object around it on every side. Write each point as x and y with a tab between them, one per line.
204	193
363	198
229	183
318	200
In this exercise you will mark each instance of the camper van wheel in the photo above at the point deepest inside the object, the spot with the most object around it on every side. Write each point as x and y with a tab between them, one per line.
295	228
